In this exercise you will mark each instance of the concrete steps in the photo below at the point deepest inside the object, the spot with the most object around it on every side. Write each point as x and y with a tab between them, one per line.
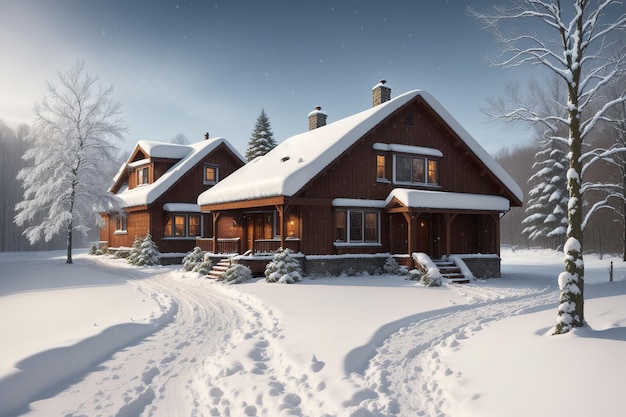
219	268
450	271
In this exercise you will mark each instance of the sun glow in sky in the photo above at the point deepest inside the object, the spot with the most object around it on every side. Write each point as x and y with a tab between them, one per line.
196	66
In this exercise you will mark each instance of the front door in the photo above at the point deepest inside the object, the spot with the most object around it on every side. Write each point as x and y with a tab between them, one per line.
423	236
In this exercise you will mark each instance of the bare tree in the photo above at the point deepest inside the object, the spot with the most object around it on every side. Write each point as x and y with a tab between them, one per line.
180	139
576	46
73	138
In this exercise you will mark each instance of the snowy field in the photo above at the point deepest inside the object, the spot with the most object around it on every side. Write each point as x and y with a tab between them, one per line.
100	338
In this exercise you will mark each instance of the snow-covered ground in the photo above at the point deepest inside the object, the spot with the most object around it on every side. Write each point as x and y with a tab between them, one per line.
100	338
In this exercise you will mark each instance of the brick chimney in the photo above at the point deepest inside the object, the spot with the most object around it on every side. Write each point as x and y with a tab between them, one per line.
317	118
380	93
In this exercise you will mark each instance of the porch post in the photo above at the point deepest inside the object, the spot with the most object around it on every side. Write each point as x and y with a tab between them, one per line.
281	224
215	216
449	218
409	231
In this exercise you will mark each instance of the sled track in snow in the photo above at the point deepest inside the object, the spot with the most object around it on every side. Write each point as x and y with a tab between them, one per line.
404	373
184	369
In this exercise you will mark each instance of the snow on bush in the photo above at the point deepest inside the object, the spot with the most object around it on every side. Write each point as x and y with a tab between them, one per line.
203	267
134	251
283	268
236	274
414	275
391	266
193	259
148	253
432	277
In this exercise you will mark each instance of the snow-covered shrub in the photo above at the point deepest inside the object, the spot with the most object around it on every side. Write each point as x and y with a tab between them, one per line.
432	279
134	251
193	259
148	252
203	267
92	249
283	268
102	250
391	266
414	275
236	274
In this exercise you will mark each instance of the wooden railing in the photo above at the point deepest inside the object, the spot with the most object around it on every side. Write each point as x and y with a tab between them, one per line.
223	245
271	245
234	245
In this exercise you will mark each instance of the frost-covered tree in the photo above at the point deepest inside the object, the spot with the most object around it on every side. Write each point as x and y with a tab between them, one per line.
547	204
283	268
262	138
180	139
573	40
148	253
74	135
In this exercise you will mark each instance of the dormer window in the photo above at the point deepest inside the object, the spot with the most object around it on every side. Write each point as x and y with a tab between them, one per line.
142	176
211	174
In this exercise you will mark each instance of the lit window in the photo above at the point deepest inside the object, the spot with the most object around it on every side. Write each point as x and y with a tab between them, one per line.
361	227
211	174
381	171
183	225
416	170
142	176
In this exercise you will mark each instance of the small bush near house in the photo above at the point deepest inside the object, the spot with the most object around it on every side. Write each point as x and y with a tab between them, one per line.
92	249
193	259
432	280
283	268
414	275
134	251
391	266
203	267
148	253
237	274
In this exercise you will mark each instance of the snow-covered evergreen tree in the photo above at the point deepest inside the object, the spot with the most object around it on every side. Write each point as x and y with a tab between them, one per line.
193	259
148	252
237	274
134	251
577	45
262	139
73	137
283	268
547	206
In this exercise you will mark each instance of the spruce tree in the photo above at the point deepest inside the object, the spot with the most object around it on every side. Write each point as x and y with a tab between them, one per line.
547	205
262	139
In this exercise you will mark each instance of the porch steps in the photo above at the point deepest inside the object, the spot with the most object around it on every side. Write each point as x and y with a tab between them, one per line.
219	268
450	271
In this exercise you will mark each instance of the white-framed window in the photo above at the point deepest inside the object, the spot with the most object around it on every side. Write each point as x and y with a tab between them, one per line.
183	225
142	176
211	174
415	169
357	226
120	223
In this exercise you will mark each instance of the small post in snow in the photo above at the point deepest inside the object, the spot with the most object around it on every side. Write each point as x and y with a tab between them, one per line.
611	272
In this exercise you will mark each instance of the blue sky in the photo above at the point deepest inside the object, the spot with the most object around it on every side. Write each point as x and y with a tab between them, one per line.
194	66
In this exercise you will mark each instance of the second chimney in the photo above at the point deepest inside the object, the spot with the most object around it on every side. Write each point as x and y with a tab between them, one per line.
317	118
380	93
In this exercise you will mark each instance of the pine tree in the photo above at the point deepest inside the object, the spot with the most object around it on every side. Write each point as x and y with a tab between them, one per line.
262	139
134	251
148	252
283	268
547	205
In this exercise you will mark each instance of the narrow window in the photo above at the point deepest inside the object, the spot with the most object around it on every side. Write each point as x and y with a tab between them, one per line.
194	226
408	121
403	169
210	174
356	226
433	172
418	170
142	176
168	226
371	227
381	171
120	223
340	234
179	226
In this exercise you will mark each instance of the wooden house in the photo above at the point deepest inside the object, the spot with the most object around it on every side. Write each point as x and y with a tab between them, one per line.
400	177
159	186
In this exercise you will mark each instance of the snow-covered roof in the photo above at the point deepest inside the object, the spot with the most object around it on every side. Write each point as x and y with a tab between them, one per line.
189	156
290	166
446	200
